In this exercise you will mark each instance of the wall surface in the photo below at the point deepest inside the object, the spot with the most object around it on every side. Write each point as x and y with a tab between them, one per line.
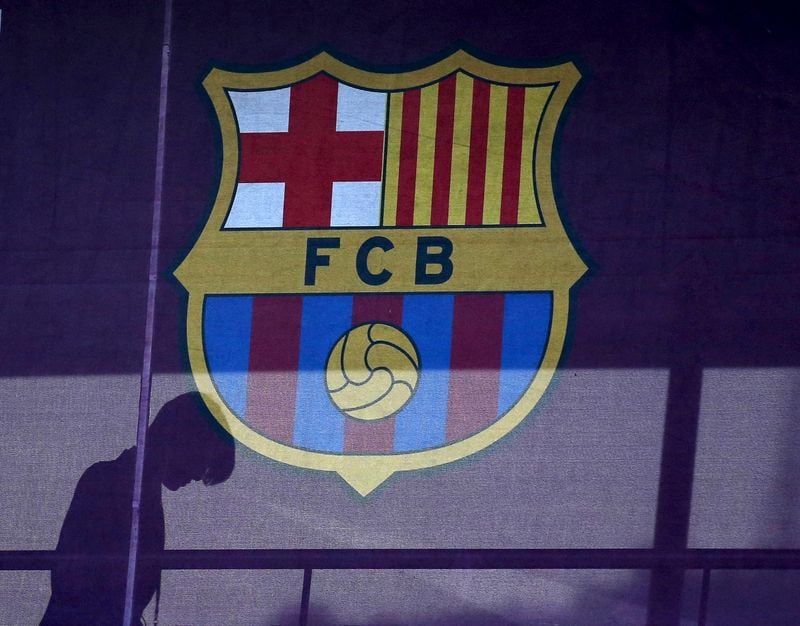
670	423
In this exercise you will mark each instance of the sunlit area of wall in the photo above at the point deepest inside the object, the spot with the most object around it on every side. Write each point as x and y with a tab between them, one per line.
230	597
23	596
746	493
466	598
581	471
55	427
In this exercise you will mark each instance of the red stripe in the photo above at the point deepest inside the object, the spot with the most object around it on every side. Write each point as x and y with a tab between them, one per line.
476	351
409	143
274	354
282	157
509	204
377	437
443	156
479	132
378	308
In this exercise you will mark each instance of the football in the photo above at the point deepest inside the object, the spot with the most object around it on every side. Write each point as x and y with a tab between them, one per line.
372	371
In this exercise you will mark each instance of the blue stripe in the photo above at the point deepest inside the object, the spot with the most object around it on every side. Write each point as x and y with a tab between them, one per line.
428	320
318	424
526	328
227	322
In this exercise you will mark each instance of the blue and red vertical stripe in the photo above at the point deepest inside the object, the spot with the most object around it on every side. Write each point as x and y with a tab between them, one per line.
479	352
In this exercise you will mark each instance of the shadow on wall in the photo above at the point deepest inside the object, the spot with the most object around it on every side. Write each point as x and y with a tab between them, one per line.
89	587
597	605
737	598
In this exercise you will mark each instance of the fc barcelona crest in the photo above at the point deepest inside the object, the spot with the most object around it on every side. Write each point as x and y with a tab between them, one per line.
383	281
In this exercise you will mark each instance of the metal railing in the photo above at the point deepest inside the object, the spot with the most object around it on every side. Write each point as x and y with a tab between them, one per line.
705	560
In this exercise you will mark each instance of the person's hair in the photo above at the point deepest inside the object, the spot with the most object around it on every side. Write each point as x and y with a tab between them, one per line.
185	431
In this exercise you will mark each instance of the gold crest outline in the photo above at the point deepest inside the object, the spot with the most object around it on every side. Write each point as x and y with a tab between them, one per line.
364	472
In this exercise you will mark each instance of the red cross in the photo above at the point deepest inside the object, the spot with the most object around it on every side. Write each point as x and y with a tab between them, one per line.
311	155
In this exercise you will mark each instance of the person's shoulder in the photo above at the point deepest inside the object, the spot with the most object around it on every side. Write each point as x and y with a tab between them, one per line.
105	475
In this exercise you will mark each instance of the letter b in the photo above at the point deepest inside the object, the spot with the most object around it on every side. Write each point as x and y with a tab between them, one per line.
440	258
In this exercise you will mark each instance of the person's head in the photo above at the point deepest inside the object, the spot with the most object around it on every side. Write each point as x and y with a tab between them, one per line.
186	444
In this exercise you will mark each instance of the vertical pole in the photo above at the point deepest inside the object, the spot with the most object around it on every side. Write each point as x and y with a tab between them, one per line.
702	613
304	599
675	489
147	357
683	401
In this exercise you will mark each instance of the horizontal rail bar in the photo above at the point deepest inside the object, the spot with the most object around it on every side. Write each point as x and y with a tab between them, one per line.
429	559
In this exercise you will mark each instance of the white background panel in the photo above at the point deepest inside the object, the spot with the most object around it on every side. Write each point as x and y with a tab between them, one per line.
257	205
358	109
356	203
261	111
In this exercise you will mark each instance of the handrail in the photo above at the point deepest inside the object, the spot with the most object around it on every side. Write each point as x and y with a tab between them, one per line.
424	558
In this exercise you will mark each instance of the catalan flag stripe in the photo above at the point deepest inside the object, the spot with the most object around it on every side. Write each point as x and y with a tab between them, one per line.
425	155
462	152
476	176
393	140
409	149
495	144
443	160
535	102
512	158
461	149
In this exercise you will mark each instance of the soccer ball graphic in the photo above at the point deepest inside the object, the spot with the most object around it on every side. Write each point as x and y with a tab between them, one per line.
372	371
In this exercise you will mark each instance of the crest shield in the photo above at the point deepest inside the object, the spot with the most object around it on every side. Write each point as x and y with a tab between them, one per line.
383	282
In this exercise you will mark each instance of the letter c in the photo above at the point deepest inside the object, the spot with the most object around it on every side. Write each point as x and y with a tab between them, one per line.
364	273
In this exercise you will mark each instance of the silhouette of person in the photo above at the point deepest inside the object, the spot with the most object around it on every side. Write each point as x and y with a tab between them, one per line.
88	581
